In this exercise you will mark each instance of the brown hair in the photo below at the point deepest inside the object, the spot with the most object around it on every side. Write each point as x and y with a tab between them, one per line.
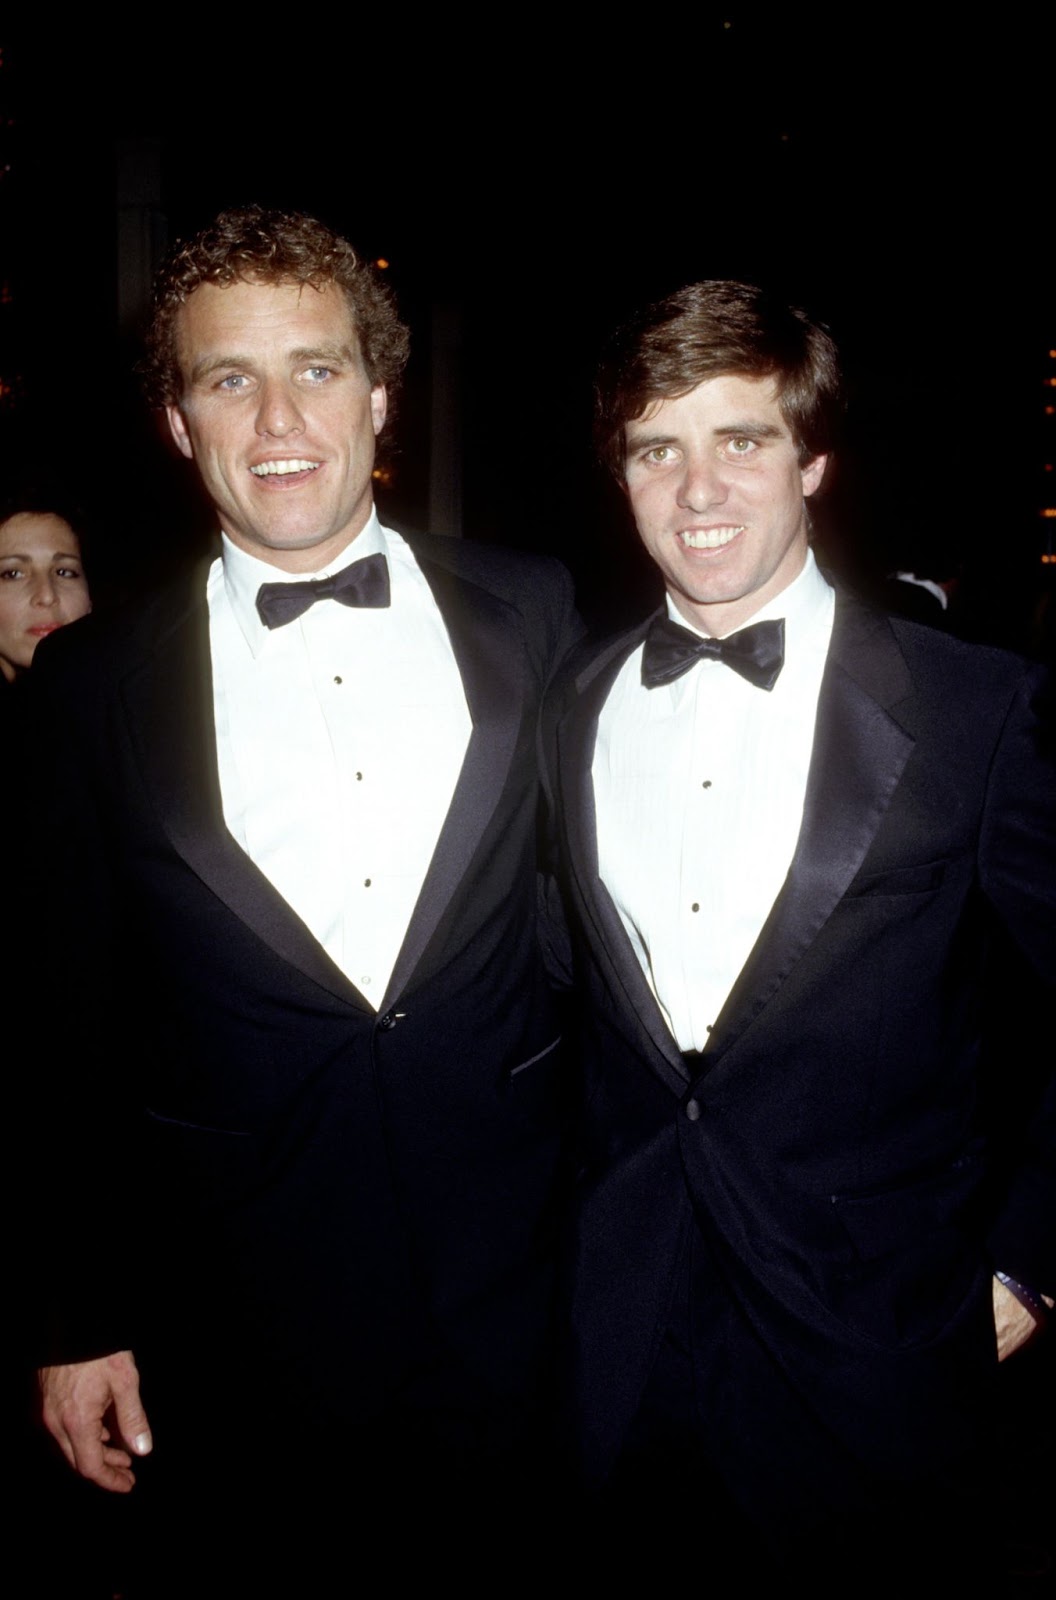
707	330
250	245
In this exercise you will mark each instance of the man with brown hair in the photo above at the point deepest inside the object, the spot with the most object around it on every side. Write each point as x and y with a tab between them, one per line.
295	800
791	826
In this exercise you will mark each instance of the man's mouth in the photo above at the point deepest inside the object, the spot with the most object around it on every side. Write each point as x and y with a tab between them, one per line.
282	469
708	538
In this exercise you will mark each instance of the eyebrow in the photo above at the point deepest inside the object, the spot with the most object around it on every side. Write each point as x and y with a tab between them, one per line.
636	441
332	353
749	430
324	352
56	555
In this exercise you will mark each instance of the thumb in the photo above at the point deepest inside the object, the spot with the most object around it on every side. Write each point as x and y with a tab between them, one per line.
131	1418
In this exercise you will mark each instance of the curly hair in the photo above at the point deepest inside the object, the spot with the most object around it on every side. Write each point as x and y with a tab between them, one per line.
251	245
707	330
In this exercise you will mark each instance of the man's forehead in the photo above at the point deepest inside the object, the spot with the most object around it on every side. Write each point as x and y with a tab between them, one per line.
263	309
740	394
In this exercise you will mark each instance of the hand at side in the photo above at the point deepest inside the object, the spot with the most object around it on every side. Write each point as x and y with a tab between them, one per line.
87	1406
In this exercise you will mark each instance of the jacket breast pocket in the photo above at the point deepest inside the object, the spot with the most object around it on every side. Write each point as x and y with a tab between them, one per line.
923	879
537	1088
534	1061
202	1168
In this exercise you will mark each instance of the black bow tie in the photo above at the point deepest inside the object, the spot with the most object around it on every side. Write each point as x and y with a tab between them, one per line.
756	652
364	583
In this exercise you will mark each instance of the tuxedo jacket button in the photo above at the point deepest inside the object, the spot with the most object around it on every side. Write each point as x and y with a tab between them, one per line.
693	1110
387	1021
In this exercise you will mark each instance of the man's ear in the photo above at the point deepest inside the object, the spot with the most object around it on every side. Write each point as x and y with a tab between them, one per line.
812	475
178	429
379	406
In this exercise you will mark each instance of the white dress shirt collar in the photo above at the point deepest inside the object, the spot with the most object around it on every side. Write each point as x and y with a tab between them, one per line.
244	574
805	605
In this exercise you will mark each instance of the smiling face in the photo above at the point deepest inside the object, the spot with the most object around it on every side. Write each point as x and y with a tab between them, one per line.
717	492
42	585
279	416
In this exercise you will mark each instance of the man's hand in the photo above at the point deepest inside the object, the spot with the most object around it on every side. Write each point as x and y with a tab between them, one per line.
1013	1322
88	1403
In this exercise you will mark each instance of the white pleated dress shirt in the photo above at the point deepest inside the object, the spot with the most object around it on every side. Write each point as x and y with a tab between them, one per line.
699	788
340	738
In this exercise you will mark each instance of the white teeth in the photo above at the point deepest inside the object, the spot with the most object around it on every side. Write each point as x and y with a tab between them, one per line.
280	469
708	538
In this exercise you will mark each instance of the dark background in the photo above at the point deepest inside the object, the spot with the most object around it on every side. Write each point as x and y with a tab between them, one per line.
528	185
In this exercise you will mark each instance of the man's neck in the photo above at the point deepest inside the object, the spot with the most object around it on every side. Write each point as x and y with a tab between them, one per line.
720	619
325	556
320	560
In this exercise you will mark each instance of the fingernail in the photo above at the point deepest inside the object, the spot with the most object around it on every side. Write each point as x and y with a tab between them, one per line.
142	1444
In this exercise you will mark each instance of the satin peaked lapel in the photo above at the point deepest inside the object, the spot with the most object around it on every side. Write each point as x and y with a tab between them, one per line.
576	737
169	700
493	678
860	751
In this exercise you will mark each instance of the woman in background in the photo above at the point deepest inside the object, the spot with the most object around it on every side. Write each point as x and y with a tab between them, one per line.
42	583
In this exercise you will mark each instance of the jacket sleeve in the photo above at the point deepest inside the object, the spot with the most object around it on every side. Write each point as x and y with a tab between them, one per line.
84	1186
1017	857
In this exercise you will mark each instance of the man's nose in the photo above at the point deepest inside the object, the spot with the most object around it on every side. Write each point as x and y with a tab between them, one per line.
703	484
279	413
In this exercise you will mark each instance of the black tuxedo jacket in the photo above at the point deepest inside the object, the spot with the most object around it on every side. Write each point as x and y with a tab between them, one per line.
827	1141
258	1166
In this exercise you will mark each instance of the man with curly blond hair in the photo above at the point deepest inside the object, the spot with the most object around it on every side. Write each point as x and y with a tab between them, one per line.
300	797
